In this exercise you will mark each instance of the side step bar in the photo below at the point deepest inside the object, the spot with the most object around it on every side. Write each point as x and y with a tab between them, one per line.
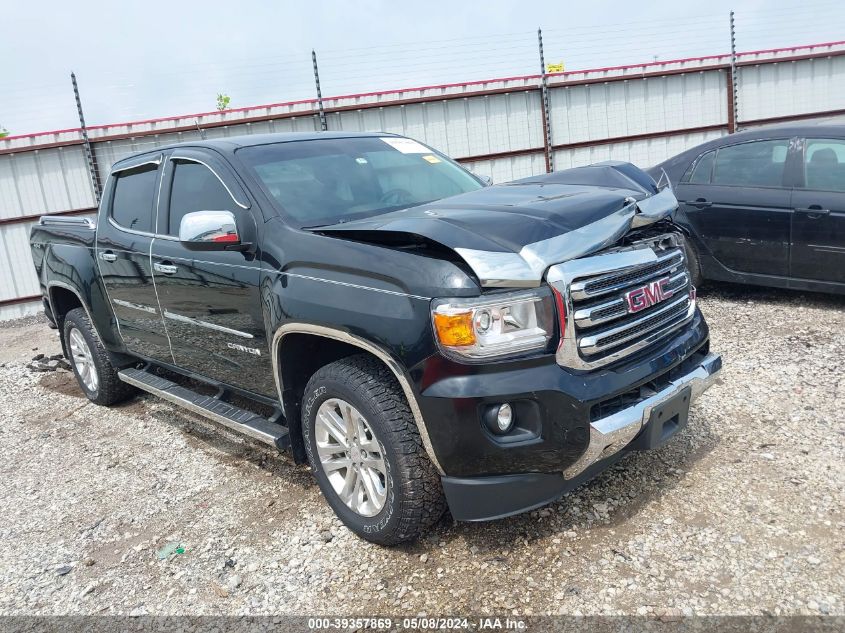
235	418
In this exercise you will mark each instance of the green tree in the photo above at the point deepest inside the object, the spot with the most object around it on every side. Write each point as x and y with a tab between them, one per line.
3	132
223	101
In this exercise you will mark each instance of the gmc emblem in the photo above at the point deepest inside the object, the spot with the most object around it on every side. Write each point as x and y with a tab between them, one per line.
648	295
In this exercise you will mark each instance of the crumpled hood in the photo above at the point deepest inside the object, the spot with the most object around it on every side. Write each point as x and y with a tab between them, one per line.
510	234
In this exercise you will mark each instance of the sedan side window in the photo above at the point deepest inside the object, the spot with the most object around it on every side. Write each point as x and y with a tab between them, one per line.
824	165
195	188
132	202
755	164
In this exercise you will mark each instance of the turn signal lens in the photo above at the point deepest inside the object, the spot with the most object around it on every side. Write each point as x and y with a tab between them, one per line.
455	330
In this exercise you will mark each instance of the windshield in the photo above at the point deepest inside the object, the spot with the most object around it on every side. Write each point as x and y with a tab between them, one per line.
326	181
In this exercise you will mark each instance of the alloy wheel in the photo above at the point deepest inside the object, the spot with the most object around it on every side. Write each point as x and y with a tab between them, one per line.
351	457
83	360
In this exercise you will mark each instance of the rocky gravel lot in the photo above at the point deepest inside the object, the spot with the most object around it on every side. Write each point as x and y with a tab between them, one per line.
742	513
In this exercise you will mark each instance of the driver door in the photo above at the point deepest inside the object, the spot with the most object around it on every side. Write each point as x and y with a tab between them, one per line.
210	298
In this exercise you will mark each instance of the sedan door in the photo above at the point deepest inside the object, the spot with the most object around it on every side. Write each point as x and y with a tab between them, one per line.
818	226
737	202
210	299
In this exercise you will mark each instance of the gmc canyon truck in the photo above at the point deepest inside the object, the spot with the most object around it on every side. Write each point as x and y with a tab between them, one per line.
420	338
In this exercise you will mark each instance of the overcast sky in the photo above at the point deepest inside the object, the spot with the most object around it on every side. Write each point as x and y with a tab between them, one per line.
137	60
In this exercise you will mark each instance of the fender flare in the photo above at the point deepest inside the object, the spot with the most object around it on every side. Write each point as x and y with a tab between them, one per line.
63	285
367	346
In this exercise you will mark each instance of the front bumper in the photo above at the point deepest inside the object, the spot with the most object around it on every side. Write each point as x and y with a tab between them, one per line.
611	434
633	428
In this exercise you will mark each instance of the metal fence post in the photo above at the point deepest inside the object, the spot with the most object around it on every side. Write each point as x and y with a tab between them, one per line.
89	154
323	125
733	99
544	108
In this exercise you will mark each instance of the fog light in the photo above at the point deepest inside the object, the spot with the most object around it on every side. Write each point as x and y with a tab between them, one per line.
504	418
499	418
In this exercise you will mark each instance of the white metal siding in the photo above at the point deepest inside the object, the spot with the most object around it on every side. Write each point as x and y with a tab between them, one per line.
44	181
18	277
788	88
507	169
459	128
644	153
638	106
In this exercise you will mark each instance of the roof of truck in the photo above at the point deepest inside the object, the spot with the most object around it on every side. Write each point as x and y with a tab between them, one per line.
231	143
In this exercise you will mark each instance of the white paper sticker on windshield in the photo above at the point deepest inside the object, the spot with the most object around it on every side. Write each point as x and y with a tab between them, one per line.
405	145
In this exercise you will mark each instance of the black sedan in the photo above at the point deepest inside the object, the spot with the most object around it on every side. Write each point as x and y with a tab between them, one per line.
765	206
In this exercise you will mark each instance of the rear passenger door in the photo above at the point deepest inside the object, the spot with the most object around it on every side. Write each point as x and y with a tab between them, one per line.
818	226
210	299
737	200
124	236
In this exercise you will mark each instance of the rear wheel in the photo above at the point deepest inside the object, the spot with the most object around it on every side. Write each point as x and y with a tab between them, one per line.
365	450
94	372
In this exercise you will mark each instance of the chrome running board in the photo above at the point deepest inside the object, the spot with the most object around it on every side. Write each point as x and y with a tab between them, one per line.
240	420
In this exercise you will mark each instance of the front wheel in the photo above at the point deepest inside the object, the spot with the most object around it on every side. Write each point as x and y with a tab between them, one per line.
693	263
365	450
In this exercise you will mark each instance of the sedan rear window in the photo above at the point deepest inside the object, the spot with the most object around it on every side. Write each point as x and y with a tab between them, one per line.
754	164
824	165
325	181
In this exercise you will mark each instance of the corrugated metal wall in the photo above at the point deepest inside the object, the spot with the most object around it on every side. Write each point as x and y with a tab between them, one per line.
790	88
642	114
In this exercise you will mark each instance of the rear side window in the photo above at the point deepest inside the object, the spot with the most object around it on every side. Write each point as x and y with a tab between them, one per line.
755	164
195	188
824	164
702	169
134	194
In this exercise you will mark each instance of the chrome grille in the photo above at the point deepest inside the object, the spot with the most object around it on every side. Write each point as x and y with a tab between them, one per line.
600	329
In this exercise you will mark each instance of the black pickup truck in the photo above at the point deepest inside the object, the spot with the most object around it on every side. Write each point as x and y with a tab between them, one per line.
419	337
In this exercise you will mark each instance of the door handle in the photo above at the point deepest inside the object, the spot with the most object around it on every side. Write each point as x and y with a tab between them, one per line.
700	203
815	211
165	269
108	256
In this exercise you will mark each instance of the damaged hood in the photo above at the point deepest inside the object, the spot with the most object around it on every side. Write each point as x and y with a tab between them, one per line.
510	234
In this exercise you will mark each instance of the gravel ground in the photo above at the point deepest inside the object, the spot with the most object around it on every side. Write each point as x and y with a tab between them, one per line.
742	513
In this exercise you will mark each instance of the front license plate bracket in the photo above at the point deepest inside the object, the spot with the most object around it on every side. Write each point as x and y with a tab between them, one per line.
665	420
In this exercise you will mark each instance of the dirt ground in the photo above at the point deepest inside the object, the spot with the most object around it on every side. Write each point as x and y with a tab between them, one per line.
742	513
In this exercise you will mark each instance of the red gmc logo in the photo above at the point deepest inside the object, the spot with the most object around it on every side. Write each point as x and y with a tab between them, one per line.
648	295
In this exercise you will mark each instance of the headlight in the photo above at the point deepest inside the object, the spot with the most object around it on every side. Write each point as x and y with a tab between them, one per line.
494	326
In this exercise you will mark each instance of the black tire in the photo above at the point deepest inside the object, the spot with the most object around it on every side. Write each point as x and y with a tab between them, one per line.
693	263
109	389
414	498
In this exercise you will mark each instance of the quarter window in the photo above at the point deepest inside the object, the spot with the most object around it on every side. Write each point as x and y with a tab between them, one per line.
824	165
703	168
755	164
195	188
134	194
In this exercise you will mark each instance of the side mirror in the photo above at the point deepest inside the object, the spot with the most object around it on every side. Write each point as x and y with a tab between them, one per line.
487	180
210	231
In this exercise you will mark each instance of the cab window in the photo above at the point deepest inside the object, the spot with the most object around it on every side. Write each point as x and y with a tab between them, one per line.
824	164
134	196
195	188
